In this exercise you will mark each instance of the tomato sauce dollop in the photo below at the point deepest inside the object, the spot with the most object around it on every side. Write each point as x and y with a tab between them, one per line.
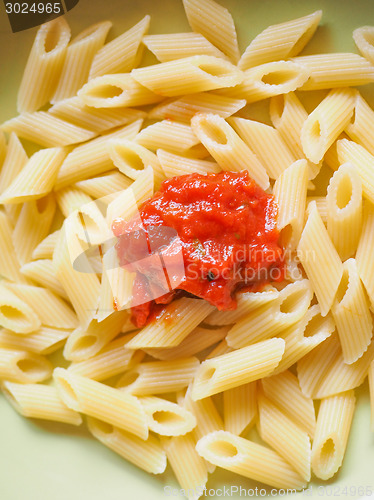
227	226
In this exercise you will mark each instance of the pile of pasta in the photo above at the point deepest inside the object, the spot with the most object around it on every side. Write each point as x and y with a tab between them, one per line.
188	387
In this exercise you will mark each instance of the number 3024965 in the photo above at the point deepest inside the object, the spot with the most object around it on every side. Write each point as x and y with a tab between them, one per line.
33	8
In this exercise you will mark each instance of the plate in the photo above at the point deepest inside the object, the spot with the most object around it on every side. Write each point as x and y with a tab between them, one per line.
47	461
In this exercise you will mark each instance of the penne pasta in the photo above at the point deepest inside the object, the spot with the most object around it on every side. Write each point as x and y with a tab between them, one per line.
14	161
284	387
173	164
158	377
227	148
363	39
332	432
39	401
326	122
101	402
44	250
290	194
351	314
335	70
180	45
45	340
237	368
44	65
47	130
23	367
166	418
186	107
15	314
106	185
215	23
320	260
121	54
240	408
146	454
344	210
9	264
42	272
248	459
280	41
117	90
79	56
359	129
285	437
37	177
91	159
365	264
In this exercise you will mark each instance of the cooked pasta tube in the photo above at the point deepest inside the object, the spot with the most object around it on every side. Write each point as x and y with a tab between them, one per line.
363	38
246	302
281	389
109	184
159	377
98	120
23	367
37	177
227	148
102	402
200	73
188	466
131	159
35	220
87	342
320	260
359	129
274	317
371	388
51	309
9	264
258	136
3	147
121	54
335	70
47	130
364	260
15	314
248	459
351	314
166	418
240	408
82	288
207	416
290	194
186	107
146	454
280	41
39	401
221	348
321	206
180	45
178	319
268	80
14	161
198	340
92	158
112	360
304	336
43	273
185	142
44	250
44	341
349	151
214	22
332	432
237	368
326	122
79	56
173	164
44	65
113	91
285	437
344	210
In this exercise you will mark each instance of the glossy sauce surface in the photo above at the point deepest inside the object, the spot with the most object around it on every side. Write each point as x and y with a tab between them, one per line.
226	226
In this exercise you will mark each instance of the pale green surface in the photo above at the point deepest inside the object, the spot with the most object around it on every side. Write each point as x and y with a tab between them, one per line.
52	462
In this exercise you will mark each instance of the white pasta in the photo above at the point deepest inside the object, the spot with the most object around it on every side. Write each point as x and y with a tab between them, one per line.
78	60
363	38
166	418
44	65
23	367
173	164
15	314
14	161
240	408
44	341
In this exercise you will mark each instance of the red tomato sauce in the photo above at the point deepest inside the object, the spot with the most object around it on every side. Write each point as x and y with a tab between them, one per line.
227	226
